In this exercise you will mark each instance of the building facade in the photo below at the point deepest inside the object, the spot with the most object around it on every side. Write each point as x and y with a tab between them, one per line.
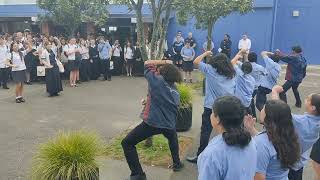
273	24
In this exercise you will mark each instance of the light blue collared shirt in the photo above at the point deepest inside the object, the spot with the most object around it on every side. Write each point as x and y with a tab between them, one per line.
273	73
104	50
257	72
244	86
268	163
216	85
220	161
307	127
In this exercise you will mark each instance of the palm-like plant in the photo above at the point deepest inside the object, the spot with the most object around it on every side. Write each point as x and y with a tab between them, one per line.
69	156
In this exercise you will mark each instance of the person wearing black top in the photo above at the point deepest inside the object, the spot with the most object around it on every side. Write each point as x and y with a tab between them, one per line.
225	45
53	80
191	40
139	64
94	59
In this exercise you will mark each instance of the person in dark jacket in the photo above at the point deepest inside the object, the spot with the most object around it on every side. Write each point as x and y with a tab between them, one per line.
296	72
94	60
159	116
225	45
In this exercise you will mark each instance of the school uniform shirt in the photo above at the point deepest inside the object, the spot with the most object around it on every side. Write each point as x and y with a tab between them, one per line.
71	48
4	52
104	50
216	85
116	51
18	61
273	70
162	101
268	163
189	52
257	72
46	56
307	127
244	44
220	161
244	86
177	46
84	51
128	53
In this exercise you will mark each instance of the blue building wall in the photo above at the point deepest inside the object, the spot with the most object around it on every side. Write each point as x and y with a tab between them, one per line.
303	30
258	24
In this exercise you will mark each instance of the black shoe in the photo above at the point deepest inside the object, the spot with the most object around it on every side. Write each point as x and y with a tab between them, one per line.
192	159
78	82
138	177
5	87
28	83
298	105
177	167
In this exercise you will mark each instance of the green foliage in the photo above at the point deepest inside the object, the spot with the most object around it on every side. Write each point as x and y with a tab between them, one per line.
186	95
158	154
211	10
71	13
67	156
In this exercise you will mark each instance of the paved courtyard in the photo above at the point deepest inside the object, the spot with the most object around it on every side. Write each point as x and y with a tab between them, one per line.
105	107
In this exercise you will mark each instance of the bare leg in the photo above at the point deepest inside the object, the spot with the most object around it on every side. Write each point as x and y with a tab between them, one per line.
316	168
21	89
71	78
17	90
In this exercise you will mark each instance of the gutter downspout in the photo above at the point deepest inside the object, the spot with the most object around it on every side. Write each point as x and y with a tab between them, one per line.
274	21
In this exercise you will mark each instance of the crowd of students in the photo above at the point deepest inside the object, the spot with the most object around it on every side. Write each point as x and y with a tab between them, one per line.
280	151
23	56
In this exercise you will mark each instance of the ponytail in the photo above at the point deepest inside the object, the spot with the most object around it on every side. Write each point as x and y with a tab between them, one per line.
237	137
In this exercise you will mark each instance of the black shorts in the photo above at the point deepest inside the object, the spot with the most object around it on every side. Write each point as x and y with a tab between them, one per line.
187	66
73	65
315	153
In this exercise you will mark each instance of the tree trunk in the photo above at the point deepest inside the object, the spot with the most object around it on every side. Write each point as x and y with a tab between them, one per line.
140	30
210	29
155	30
164	32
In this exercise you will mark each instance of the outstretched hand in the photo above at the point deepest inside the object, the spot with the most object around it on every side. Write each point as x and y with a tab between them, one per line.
277	89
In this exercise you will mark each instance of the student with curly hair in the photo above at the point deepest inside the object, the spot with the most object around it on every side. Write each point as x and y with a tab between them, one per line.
159	116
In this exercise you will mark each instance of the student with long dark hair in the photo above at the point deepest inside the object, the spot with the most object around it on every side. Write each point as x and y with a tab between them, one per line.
129	58
159	116
278	146
220	81
94	59
16	61
307	127
85	62
231	154
4	69
53	80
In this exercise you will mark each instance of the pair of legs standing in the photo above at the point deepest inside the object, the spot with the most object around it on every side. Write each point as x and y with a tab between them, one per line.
187	75
294	85
19	91
140	133
73	77
105	63
206	129
4	76
129	66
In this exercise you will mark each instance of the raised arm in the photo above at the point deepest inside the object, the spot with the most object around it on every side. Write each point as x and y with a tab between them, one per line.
201	57
238	56
266	54
157	62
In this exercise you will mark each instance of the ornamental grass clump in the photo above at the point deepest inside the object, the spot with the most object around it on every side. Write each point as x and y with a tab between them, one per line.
69	156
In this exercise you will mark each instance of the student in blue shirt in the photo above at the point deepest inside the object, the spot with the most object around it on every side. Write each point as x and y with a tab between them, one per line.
277	145
105	51
244	81
187	54
257	72
220	81
159	116
307	127
273	70
231	154
315	157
